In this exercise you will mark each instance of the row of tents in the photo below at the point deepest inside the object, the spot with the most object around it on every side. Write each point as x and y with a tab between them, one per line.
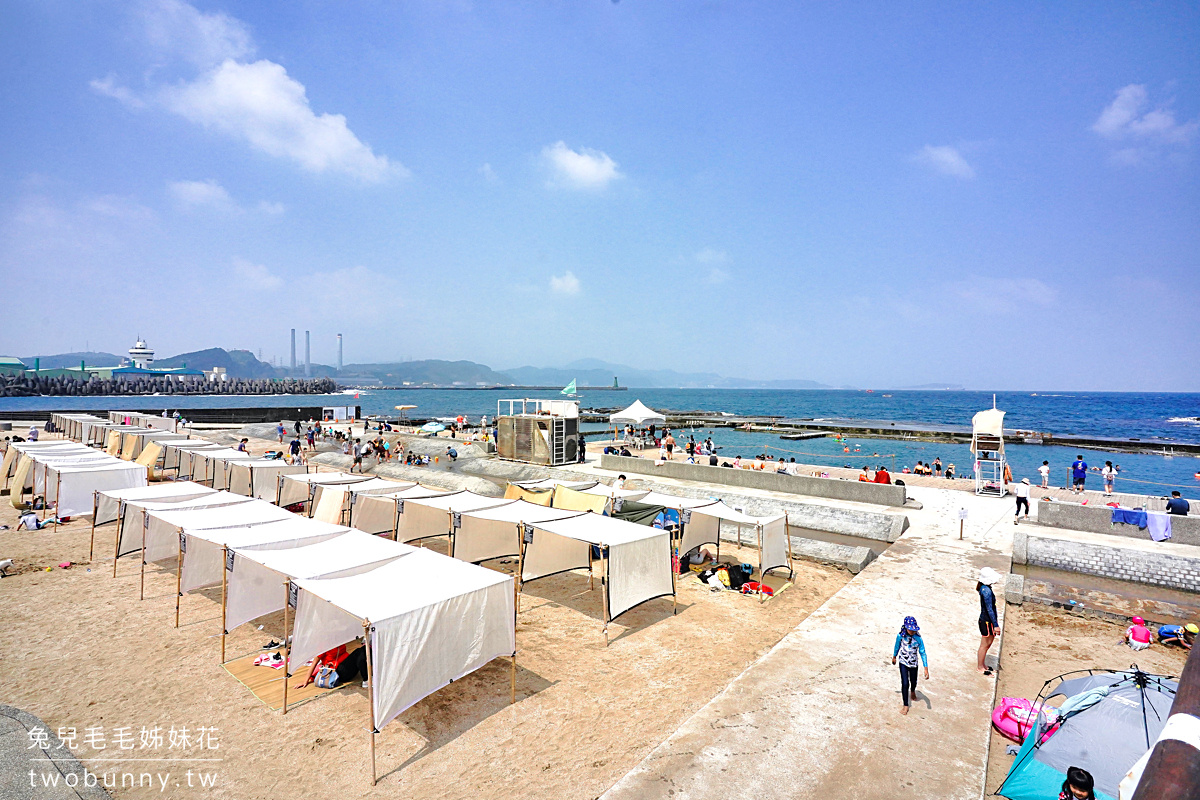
343	562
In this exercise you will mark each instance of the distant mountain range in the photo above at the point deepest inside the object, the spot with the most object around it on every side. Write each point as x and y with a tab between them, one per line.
433	372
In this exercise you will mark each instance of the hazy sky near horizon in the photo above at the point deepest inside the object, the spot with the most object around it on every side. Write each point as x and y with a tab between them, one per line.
852	193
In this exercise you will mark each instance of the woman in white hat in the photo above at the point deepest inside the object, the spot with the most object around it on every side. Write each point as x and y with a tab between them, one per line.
989	623
1021	490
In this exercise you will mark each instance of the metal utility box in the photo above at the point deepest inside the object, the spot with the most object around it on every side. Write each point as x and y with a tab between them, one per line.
543	431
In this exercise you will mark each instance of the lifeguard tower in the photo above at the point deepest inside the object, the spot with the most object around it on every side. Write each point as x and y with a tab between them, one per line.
987	443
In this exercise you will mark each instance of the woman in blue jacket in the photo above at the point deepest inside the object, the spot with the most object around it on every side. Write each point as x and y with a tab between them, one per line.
909	645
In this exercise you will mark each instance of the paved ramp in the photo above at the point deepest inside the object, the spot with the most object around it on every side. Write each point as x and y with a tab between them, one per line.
818	716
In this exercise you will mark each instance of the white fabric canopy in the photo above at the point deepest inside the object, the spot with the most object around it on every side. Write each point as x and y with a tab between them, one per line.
173	453
162	527
108	502
259	478
496	532
608	491
704	527
255	584
638	564
203	549
433	620
550	483
73	487
376	513
672	501
134	520
296	488
637	414
421	518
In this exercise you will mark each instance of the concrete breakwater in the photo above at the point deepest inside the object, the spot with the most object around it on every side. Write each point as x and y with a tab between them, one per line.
791	428
70	386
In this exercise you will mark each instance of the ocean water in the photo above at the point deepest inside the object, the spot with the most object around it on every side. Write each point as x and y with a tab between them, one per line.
1162	419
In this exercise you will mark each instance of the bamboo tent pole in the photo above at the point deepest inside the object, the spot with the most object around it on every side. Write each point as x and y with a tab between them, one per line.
95	504
179	577
225	599
287	640
370	695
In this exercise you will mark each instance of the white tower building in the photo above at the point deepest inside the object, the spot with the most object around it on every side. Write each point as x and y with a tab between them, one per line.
140	355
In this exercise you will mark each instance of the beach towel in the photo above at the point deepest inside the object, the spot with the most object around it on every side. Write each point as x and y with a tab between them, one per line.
1159	524
1129	516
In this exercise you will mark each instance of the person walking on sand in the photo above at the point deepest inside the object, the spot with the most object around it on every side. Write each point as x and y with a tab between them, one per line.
909	645
989	623
1021	490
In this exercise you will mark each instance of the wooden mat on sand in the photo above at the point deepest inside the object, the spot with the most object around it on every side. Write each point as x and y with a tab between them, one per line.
267	683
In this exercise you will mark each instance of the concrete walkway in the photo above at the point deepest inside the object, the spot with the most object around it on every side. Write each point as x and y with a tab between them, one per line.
35	774
818	716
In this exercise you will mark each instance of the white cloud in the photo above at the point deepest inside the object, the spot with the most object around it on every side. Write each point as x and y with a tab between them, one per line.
260	104
1002	294
255	276
1126	117
566	283
193	194
209	194
256	102
109	88
944	159
717	275
117	207
711	256
582	169
489	174
175	28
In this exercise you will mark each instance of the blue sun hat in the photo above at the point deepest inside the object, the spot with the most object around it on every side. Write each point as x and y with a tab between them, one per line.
910	624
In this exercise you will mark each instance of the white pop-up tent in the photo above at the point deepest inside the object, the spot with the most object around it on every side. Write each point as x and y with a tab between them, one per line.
427	620
702	525
379	512
107	504
164	531
300	488
604	490
336	502
177	455
260	477
427	517
496	532
208	466
257	581
132	442
636	558
637	414
73	487
551	483
205	554
133	521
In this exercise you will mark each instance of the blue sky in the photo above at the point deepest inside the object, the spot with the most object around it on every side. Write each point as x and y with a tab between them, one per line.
851	193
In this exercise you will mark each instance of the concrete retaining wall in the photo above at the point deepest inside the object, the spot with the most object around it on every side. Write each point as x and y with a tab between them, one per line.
1174	566
1098	519
876	493
438	478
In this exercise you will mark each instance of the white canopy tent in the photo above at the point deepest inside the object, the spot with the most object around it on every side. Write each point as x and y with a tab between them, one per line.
132	442
107	505
702	525
636	558
604	490
259	478
426	517
379	512
205	554
74	486
550	483
299	488
637	414
174	455
339	501
426	619
132	524
496	532
256	580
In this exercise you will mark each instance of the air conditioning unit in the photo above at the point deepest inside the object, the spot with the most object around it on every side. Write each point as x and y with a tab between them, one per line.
538	439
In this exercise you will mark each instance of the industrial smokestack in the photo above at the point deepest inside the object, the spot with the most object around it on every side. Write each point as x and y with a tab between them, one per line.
307	354
339	352
293	349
